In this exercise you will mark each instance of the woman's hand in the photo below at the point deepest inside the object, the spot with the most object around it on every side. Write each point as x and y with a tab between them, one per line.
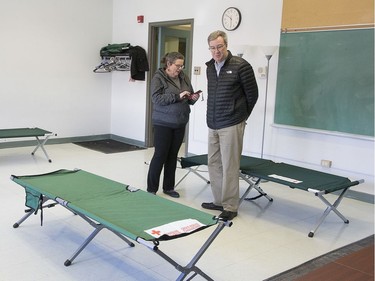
184	95
194	97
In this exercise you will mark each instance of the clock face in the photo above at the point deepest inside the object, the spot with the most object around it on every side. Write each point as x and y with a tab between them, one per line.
231	18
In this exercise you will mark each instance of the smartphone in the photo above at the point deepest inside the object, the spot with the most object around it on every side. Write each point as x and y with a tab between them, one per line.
196	93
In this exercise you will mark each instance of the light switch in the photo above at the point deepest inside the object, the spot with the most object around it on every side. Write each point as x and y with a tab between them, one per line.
197	70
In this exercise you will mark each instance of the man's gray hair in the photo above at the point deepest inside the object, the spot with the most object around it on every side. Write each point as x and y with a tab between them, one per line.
214	35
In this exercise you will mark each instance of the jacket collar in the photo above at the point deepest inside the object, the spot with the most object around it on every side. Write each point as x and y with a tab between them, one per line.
212	61
162	72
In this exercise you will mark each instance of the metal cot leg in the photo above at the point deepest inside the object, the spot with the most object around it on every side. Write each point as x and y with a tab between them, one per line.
30	211
191	170
25	217
256	187
98	228
190	267
84	244
330	207
41	145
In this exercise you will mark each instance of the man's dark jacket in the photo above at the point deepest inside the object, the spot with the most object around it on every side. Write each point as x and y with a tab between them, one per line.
231	95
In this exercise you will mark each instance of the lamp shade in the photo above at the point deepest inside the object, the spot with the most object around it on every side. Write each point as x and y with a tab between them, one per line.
269	50
239	49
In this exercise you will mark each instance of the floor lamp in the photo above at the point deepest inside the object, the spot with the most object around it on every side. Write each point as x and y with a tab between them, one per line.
268	51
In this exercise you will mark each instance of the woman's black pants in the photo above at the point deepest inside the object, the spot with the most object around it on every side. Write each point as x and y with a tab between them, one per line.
167	143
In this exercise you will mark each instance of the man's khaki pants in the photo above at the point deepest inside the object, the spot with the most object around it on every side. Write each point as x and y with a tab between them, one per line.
224	156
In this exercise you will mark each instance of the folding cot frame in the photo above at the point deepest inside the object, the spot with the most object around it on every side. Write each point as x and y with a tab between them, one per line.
38	192
29	132
189	162
255	170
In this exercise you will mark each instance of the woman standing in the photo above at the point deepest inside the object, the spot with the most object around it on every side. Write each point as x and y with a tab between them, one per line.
171	93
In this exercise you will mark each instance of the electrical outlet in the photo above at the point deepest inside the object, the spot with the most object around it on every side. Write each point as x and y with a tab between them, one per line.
197	70
262	72
326	163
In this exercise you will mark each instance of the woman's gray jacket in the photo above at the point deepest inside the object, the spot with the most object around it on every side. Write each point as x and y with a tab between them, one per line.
168	109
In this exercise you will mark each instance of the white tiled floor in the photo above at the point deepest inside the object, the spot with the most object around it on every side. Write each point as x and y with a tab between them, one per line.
265	239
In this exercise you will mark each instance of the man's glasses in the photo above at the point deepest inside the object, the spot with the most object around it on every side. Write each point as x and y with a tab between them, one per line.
218	47
179	66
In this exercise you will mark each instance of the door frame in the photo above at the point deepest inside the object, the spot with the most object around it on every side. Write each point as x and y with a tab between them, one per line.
153	28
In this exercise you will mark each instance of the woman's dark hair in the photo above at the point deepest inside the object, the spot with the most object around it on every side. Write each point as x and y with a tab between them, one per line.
171	58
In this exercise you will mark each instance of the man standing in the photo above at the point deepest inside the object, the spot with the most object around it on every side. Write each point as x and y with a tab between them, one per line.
232	94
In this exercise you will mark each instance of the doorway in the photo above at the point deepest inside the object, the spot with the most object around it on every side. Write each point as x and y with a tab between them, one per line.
165	37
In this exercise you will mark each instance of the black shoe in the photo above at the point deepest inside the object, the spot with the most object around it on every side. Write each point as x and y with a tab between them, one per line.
212	206
172	193
227	215
152	192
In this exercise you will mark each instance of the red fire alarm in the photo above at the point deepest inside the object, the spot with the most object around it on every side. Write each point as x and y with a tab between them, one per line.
140	19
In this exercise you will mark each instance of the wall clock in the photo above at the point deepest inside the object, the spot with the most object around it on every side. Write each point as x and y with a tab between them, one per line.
231	18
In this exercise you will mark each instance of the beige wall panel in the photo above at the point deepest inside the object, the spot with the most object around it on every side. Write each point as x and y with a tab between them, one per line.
319	13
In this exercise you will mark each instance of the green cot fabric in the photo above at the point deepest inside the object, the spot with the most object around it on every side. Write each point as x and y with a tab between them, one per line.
192	161
32	198
269	170
247	162
22	132
111	204
309	179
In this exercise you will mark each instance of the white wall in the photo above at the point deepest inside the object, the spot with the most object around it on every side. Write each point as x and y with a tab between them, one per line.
48	52
260	26
261	22
49	49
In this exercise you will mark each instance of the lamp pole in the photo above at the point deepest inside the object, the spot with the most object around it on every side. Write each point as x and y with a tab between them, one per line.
268	57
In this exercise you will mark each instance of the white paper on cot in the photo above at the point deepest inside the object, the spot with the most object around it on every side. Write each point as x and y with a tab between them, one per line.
175	228
284	178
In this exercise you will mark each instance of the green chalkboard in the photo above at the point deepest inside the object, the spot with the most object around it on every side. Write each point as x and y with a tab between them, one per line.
325	81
